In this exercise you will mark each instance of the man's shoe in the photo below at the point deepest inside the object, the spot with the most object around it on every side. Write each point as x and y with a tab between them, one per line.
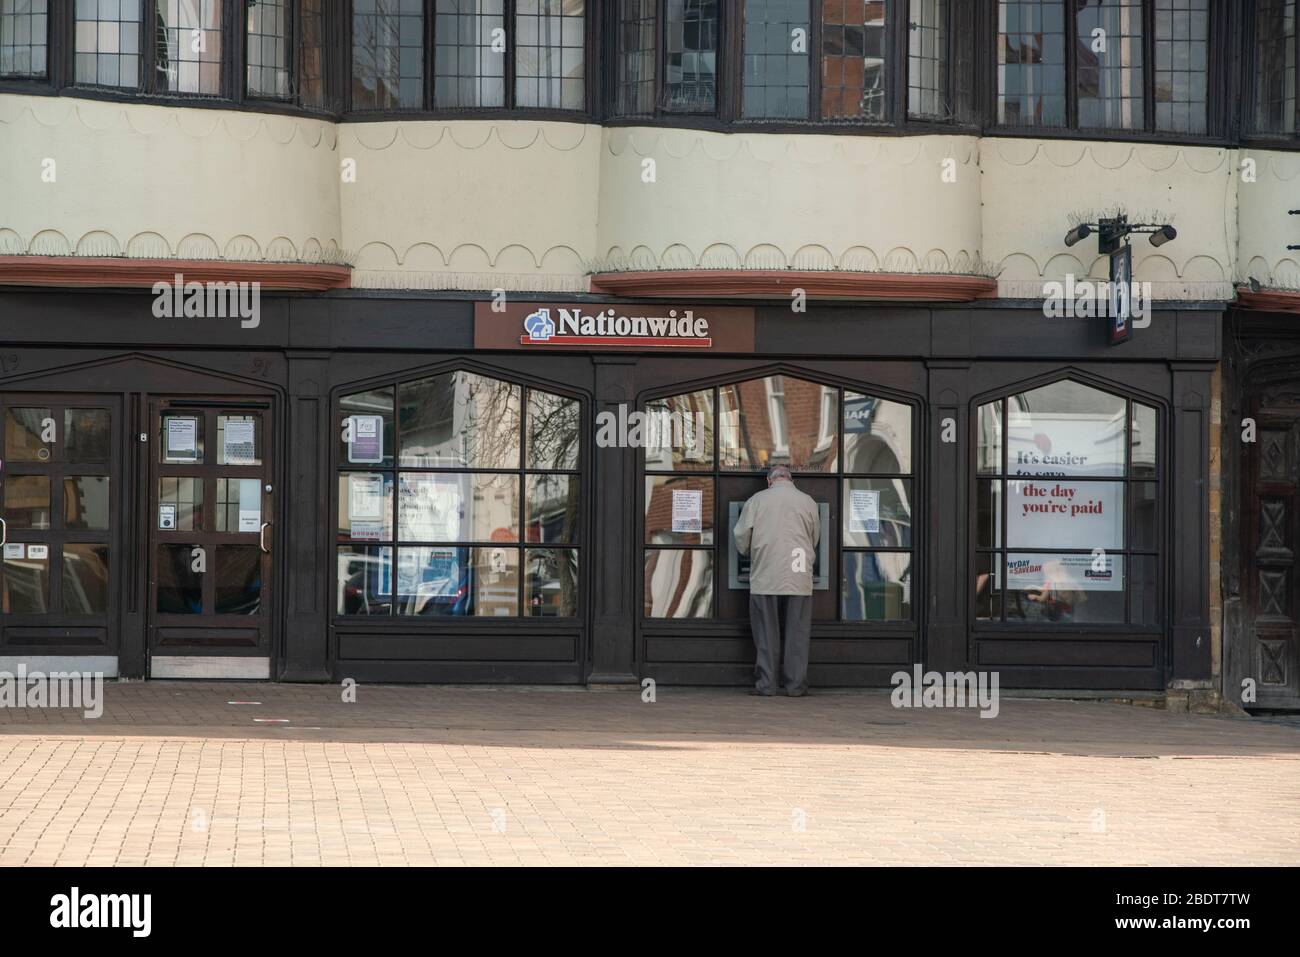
802	692
760	694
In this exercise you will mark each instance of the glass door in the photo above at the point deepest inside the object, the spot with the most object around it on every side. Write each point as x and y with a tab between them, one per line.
211	539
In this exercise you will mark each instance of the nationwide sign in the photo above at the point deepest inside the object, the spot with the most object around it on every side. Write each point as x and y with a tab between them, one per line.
636	327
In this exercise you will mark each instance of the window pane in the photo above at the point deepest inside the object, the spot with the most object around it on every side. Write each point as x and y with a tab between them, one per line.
679	510
1065	513
86	435
927	60
27	582
679	432
1144	529
549	54
85	579
988	587
691	56
1144	439
24	27
777	35
1031	62
239	580
107	44
388	55
180	503
311	55
678	583
366	432
552	582
188	58
239	439
878	513
365	580
1066	429
443	580
85	502
552	502
1109	81
1145	601
989	440
854	48
239	505
180	587
180	438
459	420
1275	66
877	435
636	57
268	48
778	420
27	501
554	431
458	507
988	513
1065	588
877	586
1182	65
366	506
468	72
29	435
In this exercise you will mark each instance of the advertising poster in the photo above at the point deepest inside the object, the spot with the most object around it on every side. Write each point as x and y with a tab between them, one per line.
366	446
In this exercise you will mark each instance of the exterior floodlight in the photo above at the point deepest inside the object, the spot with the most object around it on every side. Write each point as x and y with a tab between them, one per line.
1163	235
1082	231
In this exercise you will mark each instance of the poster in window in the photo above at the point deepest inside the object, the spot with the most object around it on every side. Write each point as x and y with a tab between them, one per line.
1055	576
366	439
238	438
687	510
864	510
181	439
366	506
431	507
250	505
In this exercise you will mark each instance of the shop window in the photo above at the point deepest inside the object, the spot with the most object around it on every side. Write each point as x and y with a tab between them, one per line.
458	495
1067	524
1101	50
707	451
24	28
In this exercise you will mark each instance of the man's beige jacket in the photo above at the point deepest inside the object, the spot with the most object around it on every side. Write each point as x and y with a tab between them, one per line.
779	529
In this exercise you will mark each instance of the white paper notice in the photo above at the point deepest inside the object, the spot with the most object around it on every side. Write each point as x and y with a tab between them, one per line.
366	506
167	516
239	439
864	511
15	550
182	437
687	508
38	552
250	505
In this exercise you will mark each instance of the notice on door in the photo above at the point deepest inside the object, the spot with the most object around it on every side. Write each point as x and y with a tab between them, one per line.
366	439
687	510
366	506
250	505
239	443
182	438
15	550
167	517
864	510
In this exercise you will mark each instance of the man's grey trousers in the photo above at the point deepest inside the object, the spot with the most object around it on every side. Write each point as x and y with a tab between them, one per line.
764	619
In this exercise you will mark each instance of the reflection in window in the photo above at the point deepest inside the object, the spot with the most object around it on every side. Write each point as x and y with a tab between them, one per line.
180	503
778	420
678	583
85	502
388	55
467	71
776	37
86	435
877	435
239	580
27	501
877	586
679	432
27	582
107	43
927	59
432	537
1182	62
1062	525
188	53
311	54
691	56
1275	67
1109	82
1031	63
23	31
550	48
636	57
180	585
85	579
854	44
672	503
29	434
268	48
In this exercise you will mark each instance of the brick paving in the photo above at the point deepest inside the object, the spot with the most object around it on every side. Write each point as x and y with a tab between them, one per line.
173	774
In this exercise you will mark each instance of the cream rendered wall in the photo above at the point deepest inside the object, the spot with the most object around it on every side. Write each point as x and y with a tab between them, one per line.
1031	187
1269	186
155	181
471	204
805	201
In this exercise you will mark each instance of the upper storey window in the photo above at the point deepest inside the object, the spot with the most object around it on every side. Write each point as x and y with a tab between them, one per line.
481	57
24	29
108	48
1139	65
1275	68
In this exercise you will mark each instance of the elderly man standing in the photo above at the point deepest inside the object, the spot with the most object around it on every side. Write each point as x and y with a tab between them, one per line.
779	528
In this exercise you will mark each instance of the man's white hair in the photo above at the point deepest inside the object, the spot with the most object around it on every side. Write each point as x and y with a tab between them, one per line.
779	473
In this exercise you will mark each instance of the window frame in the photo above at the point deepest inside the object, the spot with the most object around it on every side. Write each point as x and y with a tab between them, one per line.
999	551
1251	134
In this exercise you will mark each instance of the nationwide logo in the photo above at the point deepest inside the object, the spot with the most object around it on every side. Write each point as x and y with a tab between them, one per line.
573	327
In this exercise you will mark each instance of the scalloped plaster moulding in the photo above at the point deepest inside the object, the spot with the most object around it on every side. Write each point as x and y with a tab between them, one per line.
767	283
132	273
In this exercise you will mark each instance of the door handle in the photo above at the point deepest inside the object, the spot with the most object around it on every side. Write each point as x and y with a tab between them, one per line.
261	537
4	532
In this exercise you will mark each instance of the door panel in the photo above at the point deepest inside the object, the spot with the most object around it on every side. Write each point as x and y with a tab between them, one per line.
60	488
211	538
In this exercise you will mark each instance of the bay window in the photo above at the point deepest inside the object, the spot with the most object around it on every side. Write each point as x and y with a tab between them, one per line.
1274	93
1067	526
458	495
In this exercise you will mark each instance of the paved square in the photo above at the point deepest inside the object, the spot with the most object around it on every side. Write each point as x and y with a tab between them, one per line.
174	774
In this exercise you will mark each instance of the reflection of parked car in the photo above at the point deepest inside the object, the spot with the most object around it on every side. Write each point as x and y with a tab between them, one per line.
442	586
363	586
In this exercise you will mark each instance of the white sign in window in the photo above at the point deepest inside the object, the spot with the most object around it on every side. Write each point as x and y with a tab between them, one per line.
239	442
250	505
864	510
366	506
688	510
182	439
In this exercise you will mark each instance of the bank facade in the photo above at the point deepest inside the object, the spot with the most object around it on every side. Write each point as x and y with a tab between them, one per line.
543	288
